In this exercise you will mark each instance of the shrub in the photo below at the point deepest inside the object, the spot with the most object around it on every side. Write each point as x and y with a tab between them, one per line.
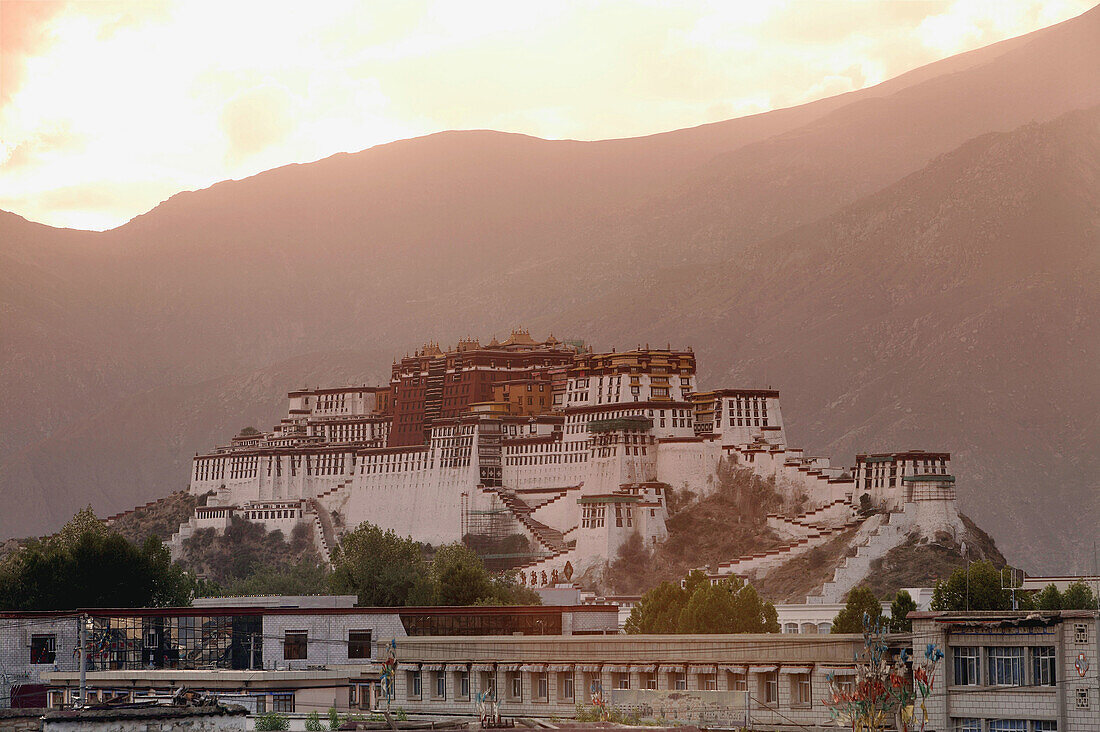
272	721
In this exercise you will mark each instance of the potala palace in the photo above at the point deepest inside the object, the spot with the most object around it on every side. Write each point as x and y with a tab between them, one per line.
573	449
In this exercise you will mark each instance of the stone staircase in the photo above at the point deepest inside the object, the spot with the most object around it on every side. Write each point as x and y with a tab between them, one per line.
888	531
548	538
324	531
335	489
835	513
760	563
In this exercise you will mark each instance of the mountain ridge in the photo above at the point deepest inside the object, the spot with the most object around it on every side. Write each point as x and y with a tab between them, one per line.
422	249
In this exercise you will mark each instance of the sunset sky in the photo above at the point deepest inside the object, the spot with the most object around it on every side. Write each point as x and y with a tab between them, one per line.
107	108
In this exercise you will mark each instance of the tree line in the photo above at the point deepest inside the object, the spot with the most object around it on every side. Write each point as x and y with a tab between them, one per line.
86	565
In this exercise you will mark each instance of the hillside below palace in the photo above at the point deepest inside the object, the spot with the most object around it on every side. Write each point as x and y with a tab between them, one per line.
575	450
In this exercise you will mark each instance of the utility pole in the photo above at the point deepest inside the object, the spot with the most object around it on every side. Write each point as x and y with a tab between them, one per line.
83	659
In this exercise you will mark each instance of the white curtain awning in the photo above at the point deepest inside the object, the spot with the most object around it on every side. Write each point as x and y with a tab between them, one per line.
558	667
533	668
432	667
705	669
508	667
644	669
591	668
408	666
672	668
617	669
762	669
456	667
796	669
733	669
482	667
840	670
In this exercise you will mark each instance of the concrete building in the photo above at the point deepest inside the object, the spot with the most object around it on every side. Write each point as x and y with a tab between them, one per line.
308	655
1012	671
770	681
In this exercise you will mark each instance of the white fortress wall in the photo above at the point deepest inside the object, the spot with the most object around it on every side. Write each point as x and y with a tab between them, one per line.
689	464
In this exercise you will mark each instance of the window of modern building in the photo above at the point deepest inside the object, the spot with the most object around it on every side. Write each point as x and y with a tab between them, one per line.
1008	725
1080	633
649	681
295	645
412	682
965	661
489	685
622	681
43	648
800	690
515	685
680	682
542	687
261	703
739	682
790	627
769	687
463	679
968	724
282	702
1043	666
565	685
1044	725
439	685
359	644
1006	666
708	682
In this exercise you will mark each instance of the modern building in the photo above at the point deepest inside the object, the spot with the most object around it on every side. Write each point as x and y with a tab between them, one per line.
762	681
1012	671
310	656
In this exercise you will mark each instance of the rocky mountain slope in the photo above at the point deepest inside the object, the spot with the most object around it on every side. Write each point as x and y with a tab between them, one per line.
947	309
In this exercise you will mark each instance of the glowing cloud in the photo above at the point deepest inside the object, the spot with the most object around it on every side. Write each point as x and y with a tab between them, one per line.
131	101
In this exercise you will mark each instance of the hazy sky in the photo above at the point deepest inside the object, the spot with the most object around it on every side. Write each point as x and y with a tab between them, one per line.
107	108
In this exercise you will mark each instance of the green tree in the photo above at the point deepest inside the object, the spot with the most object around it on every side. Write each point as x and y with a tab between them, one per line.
83	522
658	611
459	576
900	608
976	588
93	569
383	569
859	601
1078	596
307	577
729	606
1049	598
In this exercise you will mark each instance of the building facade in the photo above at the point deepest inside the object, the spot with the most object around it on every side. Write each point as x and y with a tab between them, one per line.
310	655
1012	671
